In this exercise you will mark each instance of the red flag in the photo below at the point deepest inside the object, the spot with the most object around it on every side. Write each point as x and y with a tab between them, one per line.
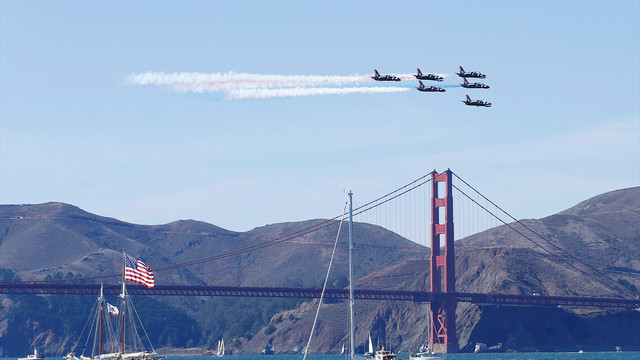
138	272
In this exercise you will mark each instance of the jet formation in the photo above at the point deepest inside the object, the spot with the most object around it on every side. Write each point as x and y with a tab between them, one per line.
434	77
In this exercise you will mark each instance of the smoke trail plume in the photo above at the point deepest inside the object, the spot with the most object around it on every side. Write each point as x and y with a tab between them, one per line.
200	82
264	86
239	94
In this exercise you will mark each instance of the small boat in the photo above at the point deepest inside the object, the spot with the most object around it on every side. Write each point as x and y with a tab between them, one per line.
424	355
220	349
35	356
483	348
381	354
268	350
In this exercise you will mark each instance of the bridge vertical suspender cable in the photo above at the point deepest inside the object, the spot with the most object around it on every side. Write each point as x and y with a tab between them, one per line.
326	223
607	285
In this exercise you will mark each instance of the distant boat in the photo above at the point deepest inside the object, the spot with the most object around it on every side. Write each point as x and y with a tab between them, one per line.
424	353
342	351
268	350
35	356
483	348
370	350
381	354
220	349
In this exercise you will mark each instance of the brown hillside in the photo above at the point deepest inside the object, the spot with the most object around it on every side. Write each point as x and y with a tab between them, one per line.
500	260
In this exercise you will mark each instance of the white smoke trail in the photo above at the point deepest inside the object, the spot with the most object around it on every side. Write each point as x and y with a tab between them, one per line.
201	82
239	94
246	85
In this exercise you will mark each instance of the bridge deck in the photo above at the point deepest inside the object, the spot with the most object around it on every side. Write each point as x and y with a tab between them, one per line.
416	296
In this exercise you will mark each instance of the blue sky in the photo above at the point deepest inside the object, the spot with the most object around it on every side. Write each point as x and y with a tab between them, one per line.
564	126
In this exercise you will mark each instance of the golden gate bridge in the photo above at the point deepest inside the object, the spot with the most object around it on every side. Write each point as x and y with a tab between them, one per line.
439	237
39	288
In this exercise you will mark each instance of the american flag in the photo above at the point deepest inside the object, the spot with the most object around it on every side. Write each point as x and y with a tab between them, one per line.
138	272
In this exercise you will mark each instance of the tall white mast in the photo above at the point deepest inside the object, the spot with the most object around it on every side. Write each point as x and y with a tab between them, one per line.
351	327
101	300
123	296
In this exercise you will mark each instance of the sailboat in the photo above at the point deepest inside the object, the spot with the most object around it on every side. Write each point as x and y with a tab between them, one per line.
424	352
128	345
35	356
220	349
381	354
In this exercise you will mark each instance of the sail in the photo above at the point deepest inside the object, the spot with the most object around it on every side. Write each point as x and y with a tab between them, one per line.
220	348
370	345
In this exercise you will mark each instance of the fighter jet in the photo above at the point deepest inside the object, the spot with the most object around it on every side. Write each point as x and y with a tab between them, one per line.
378	77
476	85
471	74
421	76
470	102
429	88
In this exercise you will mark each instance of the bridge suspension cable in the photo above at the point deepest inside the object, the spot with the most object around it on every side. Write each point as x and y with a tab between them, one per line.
398	212
407	220
590	275
321	225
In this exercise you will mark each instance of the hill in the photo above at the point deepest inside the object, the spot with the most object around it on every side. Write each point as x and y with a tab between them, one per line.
601	233
57	237
57	240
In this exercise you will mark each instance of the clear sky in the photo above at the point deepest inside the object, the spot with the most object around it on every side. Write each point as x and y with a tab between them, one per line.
564	126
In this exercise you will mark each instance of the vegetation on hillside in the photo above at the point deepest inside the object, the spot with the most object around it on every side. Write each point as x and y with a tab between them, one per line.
230	317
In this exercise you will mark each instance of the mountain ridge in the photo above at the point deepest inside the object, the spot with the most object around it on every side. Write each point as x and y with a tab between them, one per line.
66	241
496	261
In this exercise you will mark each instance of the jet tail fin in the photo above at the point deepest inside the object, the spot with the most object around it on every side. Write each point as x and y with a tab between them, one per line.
375	73
419	72
421	84
468	98
465	81
461	70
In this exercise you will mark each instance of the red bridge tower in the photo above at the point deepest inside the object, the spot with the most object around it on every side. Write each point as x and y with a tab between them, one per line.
443	267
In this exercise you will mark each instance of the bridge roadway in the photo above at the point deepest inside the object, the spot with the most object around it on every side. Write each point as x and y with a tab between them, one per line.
397	295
